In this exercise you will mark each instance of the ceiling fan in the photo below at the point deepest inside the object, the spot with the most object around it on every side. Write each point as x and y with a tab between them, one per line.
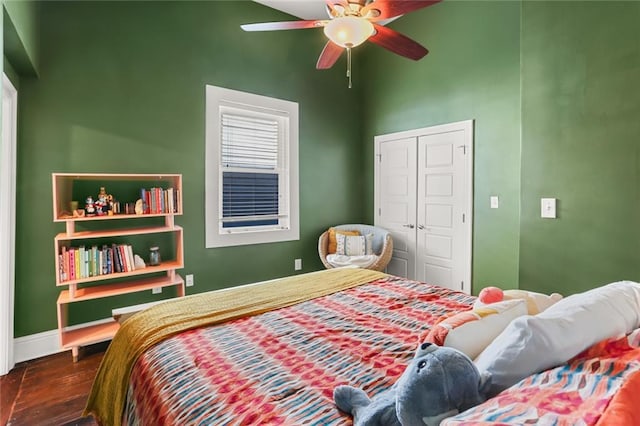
351	23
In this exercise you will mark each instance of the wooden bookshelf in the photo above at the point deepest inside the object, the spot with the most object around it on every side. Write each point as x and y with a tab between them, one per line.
67	187
116	233
108	290
74	338
177	263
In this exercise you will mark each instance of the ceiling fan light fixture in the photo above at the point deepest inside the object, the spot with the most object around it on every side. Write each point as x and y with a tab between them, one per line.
349	31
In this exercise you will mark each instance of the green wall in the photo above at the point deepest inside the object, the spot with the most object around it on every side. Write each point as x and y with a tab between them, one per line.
580	129
551	87
21	35
121	89
471	72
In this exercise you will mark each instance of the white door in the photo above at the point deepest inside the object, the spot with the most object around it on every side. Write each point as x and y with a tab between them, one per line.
441	209
423	195
397	206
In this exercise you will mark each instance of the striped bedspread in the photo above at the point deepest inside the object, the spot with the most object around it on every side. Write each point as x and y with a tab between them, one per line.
281	367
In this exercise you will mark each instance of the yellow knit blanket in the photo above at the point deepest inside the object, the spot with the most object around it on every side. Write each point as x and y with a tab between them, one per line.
146	328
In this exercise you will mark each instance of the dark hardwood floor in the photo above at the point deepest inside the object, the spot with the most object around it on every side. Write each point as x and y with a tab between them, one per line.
51	390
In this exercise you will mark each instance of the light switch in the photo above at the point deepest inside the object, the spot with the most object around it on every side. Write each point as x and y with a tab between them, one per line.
548	208
495	203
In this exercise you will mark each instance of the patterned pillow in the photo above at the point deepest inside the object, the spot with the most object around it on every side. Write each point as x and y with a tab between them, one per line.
333	242
354	245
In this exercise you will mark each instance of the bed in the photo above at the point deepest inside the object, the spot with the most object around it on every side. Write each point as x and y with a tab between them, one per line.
273	353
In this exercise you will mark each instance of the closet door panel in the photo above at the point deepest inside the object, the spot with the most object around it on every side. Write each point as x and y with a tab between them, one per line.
396	189
438	207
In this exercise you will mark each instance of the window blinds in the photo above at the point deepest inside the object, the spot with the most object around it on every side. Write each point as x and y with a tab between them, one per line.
249	196
249	142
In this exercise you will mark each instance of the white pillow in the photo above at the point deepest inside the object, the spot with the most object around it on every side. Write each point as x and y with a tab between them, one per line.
471	331
349	245
534	343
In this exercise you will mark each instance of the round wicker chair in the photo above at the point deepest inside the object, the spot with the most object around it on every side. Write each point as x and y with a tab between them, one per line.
382	244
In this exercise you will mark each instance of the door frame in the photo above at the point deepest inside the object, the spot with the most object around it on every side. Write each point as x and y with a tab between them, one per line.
468	127
8	148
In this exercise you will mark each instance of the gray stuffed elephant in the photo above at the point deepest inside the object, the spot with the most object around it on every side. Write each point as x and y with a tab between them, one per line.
438	383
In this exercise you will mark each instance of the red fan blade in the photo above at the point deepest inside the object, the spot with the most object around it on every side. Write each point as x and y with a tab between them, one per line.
392	8
329	55
286	25
398	43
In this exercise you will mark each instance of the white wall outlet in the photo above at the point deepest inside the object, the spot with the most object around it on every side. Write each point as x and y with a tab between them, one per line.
156	290
189	282
548	208
297	264
495	202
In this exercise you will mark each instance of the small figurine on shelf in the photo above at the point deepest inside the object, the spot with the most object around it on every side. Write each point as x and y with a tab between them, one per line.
110	205
101	203
89	206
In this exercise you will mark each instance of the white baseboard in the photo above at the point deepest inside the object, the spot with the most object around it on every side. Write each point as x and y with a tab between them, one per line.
36	345
42	344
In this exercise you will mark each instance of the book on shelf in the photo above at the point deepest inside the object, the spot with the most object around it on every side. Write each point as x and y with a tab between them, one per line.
65	263
72	264
109	263
61	268
130	257
159	200
76	263
117	265
123	256
145	201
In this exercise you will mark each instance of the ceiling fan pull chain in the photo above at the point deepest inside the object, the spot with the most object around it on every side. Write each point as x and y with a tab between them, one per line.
349	65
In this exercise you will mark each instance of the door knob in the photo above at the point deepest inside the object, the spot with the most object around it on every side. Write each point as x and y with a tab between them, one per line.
409	225
420	226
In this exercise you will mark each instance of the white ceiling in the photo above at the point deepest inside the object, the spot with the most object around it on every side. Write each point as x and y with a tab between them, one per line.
304	9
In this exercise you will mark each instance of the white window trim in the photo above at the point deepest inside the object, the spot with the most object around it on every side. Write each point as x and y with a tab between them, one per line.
8	149
215	98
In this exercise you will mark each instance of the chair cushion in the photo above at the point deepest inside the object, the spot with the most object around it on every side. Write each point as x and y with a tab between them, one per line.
354	245
339	260
333	243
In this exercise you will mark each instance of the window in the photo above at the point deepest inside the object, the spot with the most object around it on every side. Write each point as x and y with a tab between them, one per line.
251	169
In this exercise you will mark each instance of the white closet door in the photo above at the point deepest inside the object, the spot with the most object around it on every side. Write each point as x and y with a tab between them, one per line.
441	257
423	195
396	193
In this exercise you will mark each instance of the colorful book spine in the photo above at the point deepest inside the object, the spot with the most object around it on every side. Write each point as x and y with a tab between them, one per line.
123	258
130	259
65	262
154	202
170	208
148	208
86	262
72	264
77	263
109	263
81	254
95	261
61	277
116	260
143	197
90	261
